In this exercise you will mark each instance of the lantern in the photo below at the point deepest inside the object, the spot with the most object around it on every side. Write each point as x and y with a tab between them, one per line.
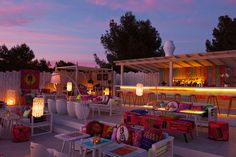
106	91
69	86
139	89
11	97
38	107
55	78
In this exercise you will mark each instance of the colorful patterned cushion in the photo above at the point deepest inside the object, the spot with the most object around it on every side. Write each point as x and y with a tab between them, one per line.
94	128
107	131
150	137
113	136
137	136
184	106
197	108
172	106
123	134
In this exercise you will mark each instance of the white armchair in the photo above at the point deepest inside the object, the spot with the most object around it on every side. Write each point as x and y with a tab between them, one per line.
52	106
113	106
71	108
61	106
81	110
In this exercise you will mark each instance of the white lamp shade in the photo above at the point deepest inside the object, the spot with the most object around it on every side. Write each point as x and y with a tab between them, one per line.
11	97
106	91
69	86
38	107
55	78
139	89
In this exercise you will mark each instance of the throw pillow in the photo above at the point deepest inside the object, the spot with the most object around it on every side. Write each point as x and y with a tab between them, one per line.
113	136
26	113
137	135
150	137
94	128
184	106
172	106
123	134
141	112
196	108
107	131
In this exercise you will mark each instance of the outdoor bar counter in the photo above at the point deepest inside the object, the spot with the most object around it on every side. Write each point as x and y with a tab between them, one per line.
225	96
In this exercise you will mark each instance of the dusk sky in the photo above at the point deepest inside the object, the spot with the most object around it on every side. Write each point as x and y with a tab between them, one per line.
70	30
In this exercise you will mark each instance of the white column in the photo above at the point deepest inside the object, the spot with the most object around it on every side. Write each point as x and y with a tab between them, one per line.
121	75
170	74
76	78
113	83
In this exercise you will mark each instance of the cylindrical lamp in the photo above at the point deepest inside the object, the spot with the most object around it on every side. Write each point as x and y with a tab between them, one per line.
38	107
69	86
11	97
106	91
139	89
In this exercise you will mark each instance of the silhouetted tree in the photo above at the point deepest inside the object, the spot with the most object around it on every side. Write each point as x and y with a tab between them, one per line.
21	57
63	63
130	39
224	35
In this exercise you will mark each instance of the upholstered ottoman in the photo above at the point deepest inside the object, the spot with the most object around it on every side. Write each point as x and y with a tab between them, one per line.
218	130
20	133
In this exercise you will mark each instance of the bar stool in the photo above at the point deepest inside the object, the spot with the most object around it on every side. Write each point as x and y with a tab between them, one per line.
162	96
151	97
131	98
178	97
192	98
230	104
212	99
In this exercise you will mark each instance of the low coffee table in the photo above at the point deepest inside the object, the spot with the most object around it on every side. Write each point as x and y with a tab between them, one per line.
70	138
87	144
124	150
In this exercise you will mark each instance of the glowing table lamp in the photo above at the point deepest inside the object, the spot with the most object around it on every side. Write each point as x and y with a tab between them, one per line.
69	86
11	97
38	107
139	89
106	91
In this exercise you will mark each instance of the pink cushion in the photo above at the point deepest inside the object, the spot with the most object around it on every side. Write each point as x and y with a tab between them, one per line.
184	106
197	108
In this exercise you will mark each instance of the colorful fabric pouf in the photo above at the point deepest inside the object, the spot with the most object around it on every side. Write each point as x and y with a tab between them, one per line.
20	133
218	130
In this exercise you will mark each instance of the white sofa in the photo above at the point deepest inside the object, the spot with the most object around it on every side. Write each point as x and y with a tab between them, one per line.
52	106
61	106
163	148
71	108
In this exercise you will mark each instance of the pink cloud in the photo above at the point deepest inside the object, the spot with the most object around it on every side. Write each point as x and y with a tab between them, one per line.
24	12
145	5
230	1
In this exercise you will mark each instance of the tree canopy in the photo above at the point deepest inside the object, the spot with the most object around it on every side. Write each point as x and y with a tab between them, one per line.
21	57
224	35
62	63
129	40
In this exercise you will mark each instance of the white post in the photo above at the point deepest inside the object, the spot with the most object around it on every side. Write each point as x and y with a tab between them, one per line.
121	75
170	74
113	82
76	77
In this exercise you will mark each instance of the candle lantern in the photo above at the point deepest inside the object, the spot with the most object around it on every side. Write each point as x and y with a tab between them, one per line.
106	91
139	89
38	107
69	86
11	97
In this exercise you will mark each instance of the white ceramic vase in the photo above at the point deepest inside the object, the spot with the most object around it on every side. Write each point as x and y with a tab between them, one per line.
169	48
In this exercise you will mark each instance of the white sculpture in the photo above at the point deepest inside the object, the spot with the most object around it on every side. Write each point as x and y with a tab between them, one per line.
71	108
169	48
52	106
61	106
81	110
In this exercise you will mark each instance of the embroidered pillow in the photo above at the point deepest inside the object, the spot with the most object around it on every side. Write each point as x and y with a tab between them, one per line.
172	106
150	137
107	131
184	106
123	134
94	128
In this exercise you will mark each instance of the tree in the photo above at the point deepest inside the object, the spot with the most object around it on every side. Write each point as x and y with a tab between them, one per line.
130	39
62	63
21	57
224	35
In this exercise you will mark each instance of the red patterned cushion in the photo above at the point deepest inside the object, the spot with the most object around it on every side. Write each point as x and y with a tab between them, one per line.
137	136
197	108
94	128
107	131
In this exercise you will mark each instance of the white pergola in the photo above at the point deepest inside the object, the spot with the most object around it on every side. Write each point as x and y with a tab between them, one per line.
153	64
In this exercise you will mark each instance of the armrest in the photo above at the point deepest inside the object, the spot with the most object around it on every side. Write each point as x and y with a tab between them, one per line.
212	113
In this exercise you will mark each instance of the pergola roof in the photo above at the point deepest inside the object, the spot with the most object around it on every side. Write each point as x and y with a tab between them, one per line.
82	68
153	64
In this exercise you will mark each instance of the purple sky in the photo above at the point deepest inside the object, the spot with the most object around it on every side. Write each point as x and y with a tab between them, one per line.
70	29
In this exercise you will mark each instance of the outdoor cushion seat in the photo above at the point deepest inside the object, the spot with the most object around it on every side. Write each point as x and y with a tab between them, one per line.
52	106
61	106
